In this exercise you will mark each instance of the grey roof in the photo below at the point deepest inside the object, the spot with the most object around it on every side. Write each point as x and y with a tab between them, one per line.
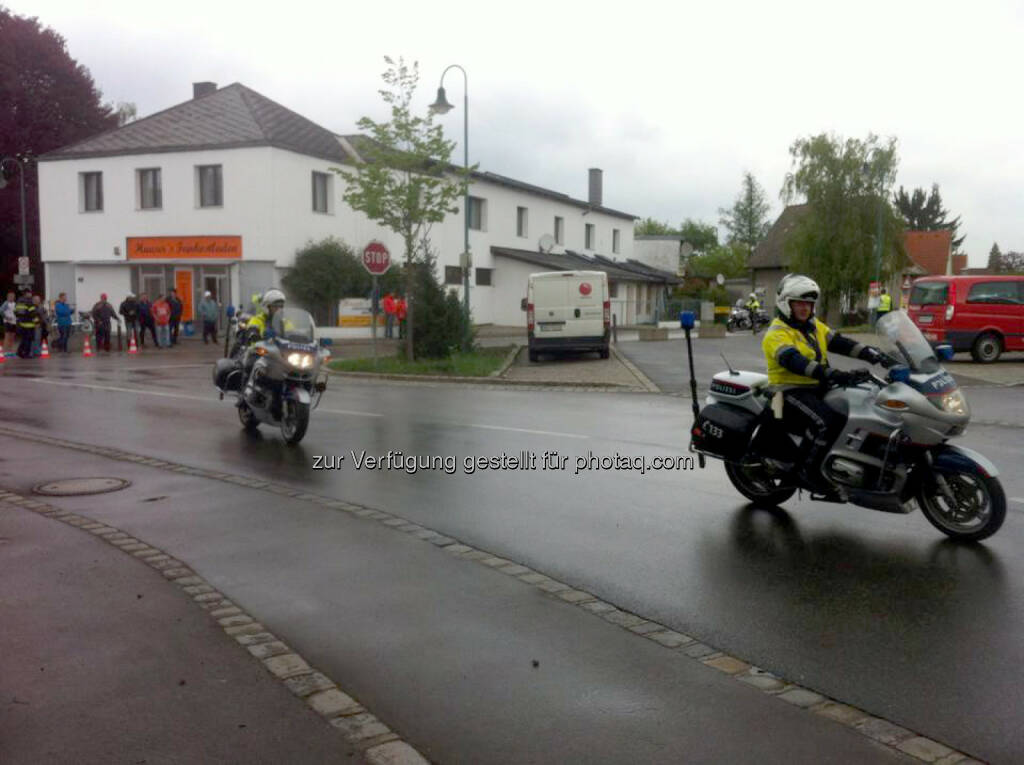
234	116
771	251
573	261
658	237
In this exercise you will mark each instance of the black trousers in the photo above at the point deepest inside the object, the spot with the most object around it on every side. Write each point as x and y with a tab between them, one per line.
209	330
27	336
805	412
174	330
151	326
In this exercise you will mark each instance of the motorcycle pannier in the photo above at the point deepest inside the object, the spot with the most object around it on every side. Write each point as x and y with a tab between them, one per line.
723	430
227	375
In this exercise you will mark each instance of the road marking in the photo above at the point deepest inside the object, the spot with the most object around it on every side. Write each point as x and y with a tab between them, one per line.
1018	500
528	430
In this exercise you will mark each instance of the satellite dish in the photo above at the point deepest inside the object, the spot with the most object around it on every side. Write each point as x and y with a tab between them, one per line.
686	250
720	279
546	243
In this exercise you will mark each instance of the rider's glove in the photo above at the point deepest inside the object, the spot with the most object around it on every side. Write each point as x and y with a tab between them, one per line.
838	378
872	355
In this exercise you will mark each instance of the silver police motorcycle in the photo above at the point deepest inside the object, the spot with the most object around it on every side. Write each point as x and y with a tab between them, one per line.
278	380
892	454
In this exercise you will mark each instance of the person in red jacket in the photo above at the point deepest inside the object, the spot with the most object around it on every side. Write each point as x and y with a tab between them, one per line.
162	317
389	315
400	310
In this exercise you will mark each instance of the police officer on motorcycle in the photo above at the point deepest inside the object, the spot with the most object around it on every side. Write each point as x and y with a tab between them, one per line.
796	346
258	326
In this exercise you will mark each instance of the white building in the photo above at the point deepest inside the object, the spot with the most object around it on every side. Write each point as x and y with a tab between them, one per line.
220	192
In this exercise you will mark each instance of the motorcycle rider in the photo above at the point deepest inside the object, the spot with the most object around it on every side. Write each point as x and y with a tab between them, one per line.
796	346
753	306
257	329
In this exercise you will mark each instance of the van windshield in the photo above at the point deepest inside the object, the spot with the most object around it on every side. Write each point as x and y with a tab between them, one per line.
929	293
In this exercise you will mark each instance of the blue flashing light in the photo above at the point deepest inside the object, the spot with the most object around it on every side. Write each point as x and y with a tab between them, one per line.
899	373
944	352
687	319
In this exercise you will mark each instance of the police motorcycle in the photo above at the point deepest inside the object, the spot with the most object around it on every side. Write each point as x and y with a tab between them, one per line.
741	317
892	454
277	380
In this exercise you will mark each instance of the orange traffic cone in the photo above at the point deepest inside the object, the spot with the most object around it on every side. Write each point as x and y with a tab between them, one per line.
45	352
132	348
87	349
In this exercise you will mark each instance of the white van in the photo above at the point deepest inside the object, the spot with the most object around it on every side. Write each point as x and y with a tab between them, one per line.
568	311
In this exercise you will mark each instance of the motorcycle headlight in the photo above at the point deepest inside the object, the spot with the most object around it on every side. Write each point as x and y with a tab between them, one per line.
954	403
300	360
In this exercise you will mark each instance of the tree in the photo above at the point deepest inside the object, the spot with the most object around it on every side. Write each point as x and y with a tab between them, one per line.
727	259
925	213
442	320
325	272
48	101
995	259
1013	263
845	183
406	182
747	220
652	227
703	237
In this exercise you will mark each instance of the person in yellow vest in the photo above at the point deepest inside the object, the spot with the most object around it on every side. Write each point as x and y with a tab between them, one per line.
884	303
796	347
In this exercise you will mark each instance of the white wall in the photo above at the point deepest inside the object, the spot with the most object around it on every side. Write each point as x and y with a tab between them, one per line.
268	202
92	281
658	253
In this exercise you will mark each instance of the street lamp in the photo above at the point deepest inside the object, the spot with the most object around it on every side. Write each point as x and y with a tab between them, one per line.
20	164
441	106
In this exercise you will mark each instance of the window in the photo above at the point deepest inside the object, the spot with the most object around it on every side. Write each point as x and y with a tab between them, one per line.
521	221
483	277
211	187
321	197
588	242
559	230
615	240
150	194
90	192
452	275
477	213
613	289
929	293
994	292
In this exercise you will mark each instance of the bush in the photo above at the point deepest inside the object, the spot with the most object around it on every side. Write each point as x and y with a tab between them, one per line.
439	323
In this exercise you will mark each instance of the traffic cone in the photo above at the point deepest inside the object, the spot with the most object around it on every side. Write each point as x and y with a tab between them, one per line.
132	348
45	352
87	349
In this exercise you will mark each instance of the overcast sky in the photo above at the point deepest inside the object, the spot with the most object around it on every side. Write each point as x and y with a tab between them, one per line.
674	101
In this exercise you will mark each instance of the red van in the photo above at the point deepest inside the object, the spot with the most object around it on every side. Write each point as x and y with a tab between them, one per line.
980	314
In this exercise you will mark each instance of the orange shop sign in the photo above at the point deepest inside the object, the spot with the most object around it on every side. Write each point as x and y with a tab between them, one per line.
185	247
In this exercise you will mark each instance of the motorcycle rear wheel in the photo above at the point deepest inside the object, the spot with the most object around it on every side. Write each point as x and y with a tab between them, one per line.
295	421
978	511
758	485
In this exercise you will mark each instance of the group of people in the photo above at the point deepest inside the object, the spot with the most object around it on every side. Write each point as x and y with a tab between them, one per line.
27	321
395	309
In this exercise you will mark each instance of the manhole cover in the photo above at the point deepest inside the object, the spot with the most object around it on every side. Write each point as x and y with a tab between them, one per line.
71	487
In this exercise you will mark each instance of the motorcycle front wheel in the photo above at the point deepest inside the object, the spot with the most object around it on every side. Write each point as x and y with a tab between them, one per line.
295	421
975	510
247	418
757	484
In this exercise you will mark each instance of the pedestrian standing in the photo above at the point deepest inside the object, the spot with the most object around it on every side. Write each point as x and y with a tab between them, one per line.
63	313
10	323
400	312
42	331
102	314
389	315
176	307
146	321
162	319
209	311
129	309
27	317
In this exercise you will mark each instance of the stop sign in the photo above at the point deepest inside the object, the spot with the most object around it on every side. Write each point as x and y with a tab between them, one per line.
376	258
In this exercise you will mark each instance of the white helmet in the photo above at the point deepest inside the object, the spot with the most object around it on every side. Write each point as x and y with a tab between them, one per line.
270	297
753	295
795	287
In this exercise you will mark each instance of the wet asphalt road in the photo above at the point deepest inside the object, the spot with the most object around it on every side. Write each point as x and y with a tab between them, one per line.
875	610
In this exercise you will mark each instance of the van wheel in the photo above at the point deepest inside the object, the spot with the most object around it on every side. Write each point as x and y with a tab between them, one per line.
534	356
987	348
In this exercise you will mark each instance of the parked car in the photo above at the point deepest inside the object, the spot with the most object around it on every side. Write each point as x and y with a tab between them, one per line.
568	311
980	314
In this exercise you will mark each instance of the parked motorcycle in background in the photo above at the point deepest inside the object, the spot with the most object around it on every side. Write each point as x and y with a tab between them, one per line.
892	454
740	318
278	380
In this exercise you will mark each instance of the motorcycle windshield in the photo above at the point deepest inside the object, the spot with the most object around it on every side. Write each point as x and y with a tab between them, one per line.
293	325
899	337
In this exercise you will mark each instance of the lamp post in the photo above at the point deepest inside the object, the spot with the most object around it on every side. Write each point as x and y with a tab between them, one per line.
866	172
20	164
441	106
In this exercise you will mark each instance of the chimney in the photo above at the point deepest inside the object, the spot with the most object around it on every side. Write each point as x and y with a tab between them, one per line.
594	192
200	89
